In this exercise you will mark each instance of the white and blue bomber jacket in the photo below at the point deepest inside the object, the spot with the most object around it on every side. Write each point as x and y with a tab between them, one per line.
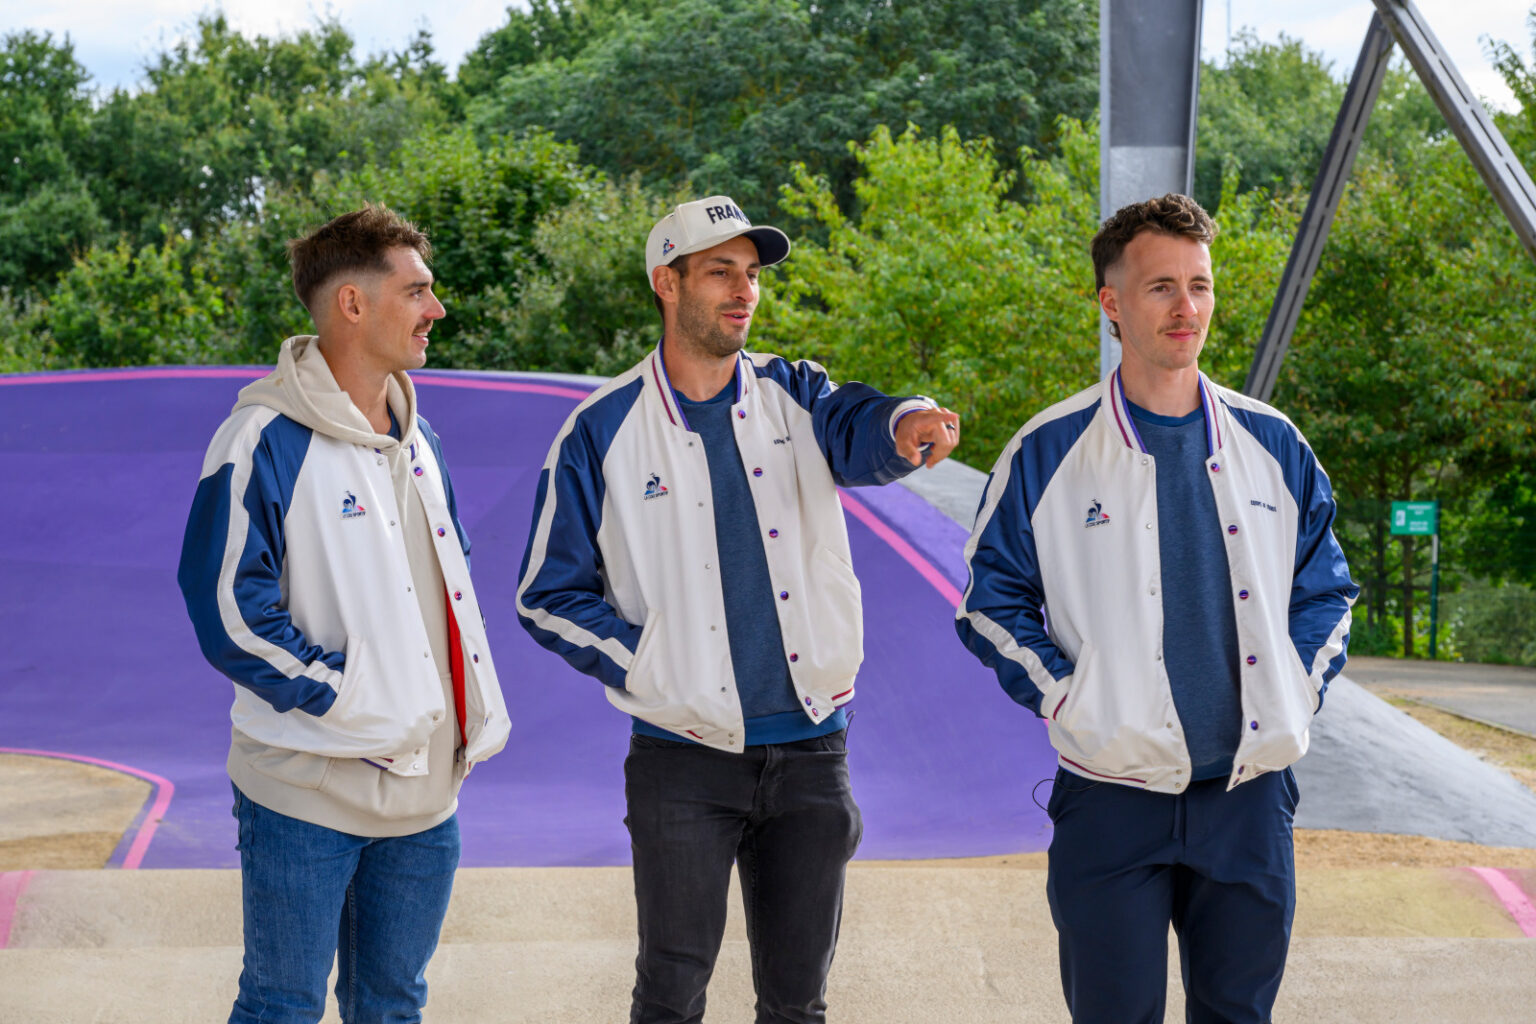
621	577
1064	599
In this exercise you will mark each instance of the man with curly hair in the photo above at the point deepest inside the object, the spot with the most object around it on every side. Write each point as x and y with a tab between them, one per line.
1153	571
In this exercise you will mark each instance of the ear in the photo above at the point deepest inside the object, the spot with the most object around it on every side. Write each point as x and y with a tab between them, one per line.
1109	303
665	280
349	302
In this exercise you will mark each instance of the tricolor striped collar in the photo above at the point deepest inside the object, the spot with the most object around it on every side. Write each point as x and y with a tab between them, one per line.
657	372
1120	409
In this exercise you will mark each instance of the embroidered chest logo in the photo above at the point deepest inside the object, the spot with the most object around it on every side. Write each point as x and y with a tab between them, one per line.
654	488
781	440
350	509
1096	515
1266	506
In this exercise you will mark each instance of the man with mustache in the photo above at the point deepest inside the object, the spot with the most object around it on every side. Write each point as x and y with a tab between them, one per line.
327	575
1153	571
688	549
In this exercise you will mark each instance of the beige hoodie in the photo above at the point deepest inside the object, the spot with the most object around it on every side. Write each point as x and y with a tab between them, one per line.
349	794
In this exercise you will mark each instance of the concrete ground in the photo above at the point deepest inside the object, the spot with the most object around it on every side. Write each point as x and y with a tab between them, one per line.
925	945
1501	695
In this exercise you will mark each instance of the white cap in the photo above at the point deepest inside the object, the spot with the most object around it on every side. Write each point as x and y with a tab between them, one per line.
704	223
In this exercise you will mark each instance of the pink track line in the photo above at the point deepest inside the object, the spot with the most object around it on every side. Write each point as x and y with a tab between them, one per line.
148	373
12	885
1512	896
924	568
477	384
164	790
252	373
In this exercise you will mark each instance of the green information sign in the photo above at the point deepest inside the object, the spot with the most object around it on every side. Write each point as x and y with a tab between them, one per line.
1416	518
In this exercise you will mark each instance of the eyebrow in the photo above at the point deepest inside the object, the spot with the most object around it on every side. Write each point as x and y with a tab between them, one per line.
1170	279
412	286
731	263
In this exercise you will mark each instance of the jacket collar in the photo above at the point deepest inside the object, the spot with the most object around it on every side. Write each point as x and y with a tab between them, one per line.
656	378
1125	426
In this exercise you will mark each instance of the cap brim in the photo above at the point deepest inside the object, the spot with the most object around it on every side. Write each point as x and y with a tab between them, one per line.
772	244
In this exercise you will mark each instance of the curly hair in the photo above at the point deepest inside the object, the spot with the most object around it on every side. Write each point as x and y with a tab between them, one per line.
356	241
1172	214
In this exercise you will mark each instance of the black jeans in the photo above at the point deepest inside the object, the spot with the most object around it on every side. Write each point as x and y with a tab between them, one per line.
785	814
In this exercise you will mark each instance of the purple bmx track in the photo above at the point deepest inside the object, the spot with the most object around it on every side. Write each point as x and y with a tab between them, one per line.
100	665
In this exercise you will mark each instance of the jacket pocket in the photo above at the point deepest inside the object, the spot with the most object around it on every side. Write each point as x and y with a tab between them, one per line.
641	681
292	767
382	709
835	614
1104	723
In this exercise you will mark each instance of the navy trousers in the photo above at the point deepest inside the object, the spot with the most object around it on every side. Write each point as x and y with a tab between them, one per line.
1218	865
784	813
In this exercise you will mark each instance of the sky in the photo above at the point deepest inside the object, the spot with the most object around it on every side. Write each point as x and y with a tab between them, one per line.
114	39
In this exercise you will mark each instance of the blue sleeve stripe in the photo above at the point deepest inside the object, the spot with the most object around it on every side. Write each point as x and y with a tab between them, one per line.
1004	576
233	553
548	577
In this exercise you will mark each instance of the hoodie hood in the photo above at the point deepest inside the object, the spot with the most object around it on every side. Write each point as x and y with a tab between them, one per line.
303	388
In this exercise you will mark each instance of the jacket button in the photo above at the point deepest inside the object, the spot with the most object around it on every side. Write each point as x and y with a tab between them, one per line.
458	595
475	658
1254	724
741	414
1232	529
1149	526
773	533
442	532
1252	660
757	470
794	657
418	471
1242	595
1215	467
416	766
783	595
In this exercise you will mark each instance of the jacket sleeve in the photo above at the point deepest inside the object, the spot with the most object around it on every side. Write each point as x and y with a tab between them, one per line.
1002	615
1321	589
561	589
231	567
855	425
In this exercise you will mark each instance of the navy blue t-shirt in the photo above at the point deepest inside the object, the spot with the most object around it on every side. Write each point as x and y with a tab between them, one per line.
1199	625
768	701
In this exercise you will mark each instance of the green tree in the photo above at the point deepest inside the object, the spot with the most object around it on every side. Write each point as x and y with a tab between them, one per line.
121	308
588	306
764	84
47	216
223	120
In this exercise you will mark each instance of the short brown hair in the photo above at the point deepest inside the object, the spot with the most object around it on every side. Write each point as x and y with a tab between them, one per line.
356	241
1172	214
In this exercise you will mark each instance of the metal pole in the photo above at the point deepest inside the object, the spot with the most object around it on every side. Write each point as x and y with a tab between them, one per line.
1322	203
1434	589
1508	181
1149	84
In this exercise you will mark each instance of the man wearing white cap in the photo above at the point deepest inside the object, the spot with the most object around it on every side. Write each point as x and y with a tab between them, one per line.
688	549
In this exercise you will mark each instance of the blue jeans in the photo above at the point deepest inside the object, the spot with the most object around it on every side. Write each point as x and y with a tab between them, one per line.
313	895
785	814
1216	864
